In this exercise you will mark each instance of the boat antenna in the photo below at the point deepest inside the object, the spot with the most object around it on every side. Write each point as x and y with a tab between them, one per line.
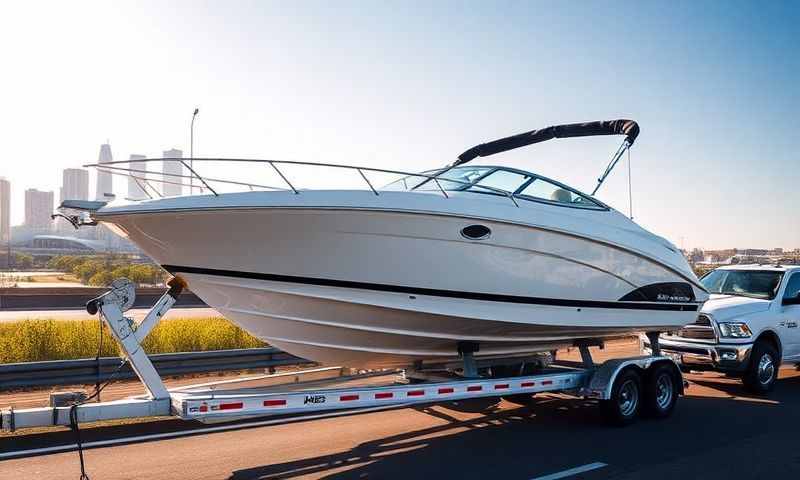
613	163
630	189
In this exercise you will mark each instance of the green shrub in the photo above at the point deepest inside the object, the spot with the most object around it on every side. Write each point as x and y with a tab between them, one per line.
36	340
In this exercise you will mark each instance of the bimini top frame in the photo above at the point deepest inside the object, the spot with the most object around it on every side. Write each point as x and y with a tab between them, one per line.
629	128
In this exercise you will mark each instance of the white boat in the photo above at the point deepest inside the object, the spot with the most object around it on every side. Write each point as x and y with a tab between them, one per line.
491	259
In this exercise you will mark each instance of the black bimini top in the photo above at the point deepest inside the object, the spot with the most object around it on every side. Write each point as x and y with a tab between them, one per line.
629	128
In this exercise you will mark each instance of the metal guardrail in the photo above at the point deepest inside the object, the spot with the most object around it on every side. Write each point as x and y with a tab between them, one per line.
76	298
74	372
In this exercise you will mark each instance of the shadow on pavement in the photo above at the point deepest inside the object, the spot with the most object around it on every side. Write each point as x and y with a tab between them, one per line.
557	433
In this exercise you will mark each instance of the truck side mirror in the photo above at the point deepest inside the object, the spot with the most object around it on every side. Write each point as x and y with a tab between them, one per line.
792	300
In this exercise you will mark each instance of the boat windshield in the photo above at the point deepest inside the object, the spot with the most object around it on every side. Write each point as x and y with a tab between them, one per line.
745	283
462	176
489	180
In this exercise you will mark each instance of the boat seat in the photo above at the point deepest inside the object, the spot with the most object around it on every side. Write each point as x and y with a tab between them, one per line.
561	195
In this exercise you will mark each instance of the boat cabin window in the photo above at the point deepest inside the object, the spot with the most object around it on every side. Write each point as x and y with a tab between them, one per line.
545	190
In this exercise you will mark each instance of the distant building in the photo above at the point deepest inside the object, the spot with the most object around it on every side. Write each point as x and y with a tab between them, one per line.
75	184
105	183
173	173
5	210
135	192
38	208
66	244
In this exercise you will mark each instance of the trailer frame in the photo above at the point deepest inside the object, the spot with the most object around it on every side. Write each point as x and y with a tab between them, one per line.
209	405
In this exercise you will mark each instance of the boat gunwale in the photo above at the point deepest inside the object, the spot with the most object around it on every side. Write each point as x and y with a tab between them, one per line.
120	211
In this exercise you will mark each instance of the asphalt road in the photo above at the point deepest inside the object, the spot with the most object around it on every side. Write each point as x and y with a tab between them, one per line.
718	431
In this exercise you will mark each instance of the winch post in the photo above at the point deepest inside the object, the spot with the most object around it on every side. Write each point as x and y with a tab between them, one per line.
110	307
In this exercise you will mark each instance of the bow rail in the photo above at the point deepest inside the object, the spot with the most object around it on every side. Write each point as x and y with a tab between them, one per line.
145	177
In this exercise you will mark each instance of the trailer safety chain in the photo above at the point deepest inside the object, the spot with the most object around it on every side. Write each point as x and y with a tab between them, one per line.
97	357
73	424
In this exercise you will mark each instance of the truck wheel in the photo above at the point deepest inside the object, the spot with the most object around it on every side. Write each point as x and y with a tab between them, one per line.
660	394
763	369
625	402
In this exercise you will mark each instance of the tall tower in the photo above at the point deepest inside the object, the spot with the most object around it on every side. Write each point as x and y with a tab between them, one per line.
75	184
5	210
105	184
135	192
38	208
171	169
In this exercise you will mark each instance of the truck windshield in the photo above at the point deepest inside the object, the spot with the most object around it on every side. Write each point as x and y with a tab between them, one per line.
746	283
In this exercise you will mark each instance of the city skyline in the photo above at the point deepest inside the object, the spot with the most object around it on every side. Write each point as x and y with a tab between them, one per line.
412	86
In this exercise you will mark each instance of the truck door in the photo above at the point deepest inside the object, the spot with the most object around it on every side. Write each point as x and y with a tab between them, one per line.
789	320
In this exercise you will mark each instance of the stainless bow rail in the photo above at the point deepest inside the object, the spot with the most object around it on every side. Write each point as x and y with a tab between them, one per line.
129	168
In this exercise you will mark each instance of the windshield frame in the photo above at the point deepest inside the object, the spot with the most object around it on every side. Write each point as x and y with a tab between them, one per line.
475	188
771	297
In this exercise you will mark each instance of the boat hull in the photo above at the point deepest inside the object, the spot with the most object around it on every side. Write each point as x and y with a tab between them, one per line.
364	328
378	287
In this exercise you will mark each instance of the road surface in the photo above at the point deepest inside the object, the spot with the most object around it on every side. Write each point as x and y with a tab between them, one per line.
718	431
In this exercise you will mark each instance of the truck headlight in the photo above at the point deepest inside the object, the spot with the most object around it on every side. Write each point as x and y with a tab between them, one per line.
735	330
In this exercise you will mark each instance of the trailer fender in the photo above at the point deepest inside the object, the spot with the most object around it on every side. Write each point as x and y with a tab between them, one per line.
602	380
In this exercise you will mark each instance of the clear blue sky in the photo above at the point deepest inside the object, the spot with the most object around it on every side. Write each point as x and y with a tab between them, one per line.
714	86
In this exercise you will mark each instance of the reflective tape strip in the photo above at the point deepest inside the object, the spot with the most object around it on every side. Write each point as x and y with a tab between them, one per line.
415	393
501	386
474	388
446	390
547	382
348	398
231	406
274	403
382	395
527	384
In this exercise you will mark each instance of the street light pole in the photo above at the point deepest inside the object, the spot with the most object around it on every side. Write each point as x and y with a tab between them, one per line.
191	151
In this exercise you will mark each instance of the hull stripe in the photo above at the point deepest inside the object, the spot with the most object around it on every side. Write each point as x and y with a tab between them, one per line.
489	297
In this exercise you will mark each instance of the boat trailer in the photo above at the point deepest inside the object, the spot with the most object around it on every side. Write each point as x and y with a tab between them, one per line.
624	386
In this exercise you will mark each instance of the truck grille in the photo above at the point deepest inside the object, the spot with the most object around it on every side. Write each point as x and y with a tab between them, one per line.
701	329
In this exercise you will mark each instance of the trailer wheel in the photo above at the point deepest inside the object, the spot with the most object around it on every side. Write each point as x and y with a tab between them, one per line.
625	402
660	392
763	369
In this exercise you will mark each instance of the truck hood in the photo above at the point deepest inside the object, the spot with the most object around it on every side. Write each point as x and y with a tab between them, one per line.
723	307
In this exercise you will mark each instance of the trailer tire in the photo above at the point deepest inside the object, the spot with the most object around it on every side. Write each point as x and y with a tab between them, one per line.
625	402
660	391
763	369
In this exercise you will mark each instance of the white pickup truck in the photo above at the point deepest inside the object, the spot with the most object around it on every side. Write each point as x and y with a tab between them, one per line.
749	326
